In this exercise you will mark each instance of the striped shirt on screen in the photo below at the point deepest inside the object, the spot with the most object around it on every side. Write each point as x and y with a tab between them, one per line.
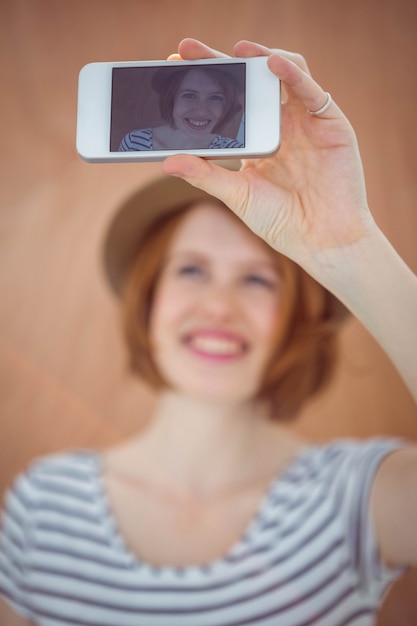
142	139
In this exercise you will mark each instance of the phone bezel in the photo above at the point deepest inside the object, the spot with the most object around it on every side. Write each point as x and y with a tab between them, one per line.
262	113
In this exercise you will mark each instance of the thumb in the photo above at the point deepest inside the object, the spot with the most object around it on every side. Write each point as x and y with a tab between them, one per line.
220	182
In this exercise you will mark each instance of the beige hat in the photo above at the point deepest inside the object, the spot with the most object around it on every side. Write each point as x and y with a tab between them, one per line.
234	73
136	214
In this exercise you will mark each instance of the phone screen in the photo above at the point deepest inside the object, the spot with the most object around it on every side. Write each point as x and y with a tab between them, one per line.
178	108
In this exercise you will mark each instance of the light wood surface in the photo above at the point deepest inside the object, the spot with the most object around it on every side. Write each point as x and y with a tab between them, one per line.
63	378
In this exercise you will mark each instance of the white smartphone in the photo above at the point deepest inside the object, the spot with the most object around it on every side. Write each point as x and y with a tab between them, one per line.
146	111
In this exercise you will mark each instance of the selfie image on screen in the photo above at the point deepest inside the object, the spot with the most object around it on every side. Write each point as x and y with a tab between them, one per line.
175	108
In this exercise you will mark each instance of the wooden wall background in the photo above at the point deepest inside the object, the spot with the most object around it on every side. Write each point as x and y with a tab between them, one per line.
63	381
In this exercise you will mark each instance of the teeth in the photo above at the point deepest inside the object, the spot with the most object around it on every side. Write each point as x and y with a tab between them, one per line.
216	346
199	123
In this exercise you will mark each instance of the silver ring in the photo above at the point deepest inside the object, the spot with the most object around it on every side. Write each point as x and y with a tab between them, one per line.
324	107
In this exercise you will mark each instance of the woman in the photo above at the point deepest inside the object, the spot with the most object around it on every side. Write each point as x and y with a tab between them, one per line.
216	514
196	104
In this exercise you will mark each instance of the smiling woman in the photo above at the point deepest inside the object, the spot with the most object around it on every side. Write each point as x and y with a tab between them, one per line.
214	261
196	104
231	285
213	325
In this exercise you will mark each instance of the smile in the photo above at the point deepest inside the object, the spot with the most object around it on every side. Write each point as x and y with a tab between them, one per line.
198	124
216	346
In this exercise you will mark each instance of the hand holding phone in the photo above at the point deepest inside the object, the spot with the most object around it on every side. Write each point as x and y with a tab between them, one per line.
308	197
214	108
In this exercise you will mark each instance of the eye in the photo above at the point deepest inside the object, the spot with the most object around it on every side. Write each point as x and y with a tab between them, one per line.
258	280
190	270
188	95
217	97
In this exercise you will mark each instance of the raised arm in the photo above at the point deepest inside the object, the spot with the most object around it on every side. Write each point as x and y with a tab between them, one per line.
309	203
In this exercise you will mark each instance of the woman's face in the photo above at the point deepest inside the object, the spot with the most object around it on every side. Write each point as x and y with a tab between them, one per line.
199	104
216	308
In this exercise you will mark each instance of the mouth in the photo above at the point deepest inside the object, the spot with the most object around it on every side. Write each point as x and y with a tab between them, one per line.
218	346
198	124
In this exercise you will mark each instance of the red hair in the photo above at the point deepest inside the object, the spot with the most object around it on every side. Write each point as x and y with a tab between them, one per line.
227	84
304	353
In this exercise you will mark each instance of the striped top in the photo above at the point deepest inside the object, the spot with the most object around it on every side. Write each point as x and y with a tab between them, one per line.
143	140
308	557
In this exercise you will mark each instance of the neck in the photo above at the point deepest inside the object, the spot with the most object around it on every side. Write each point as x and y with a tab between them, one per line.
205	448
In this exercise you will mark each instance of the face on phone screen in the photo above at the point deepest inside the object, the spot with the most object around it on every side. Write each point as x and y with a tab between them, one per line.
178	108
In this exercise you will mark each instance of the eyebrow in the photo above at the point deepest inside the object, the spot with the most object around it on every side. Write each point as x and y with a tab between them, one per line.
198	256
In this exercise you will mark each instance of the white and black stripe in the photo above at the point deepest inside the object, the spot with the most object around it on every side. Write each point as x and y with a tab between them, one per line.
137	140
308	557
142	139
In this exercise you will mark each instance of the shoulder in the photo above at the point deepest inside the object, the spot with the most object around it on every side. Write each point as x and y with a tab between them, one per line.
343	476
351	456
72	464
344	473
353	450
394	507
52	515
55	492
373	485
224	142
52	475
337	476
136	140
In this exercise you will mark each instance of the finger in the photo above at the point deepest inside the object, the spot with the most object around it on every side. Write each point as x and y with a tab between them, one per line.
192	49
247	49
213	179
174	57
301	85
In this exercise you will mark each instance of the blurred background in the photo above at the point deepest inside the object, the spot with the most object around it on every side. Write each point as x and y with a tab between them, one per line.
63	376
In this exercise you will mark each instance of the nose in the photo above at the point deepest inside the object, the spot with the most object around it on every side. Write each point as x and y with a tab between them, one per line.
218	302
201	105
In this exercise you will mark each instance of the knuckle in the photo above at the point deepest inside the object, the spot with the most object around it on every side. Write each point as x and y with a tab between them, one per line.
299	60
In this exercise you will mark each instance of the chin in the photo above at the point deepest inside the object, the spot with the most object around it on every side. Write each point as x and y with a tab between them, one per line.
224	387
217	394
